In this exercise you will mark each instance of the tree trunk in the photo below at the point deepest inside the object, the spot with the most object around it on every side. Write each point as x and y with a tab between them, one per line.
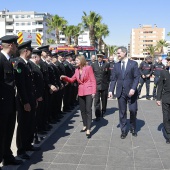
92	37
57	36
69	40
75	40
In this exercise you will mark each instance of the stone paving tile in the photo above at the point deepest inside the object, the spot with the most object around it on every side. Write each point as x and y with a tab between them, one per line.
68	149
54	166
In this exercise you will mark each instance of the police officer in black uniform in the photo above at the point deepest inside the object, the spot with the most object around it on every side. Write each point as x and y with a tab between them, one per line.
146	69
40	87
157	68
48	87
7	100
26	101
102	75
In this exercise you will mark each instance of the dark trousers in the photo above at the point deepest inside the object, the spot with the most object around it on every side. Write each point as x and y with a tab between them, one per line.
156	79
26	127
100	94
67	97
123	100
85	103
7	125
141	82
166	118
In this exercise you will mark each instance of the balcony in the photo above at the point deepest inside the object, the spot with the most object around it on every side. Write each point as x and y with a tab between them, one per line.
40	26
9	20
9	27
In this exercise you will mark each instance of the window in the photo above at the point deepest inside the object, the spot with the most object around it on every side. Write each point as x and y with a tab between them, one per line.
10	16
28	23
22	23
147	40
28	16
17	31
17	24
28	30
16	16
33	23
22	16
33	30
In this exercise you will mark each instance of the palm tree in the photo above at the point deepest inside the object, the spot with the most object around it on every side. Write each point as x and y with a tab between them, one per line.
56	23
89	22
151	50
77	31
68	32
50	41
112	49
101	31
168	34
160	45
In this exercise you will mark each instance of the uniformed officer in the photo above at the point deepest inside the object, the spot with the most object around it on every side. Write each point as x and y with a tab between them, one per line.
40	87
146	69
69	91
102	74
157	68
163	98
7	100
44	69
26	101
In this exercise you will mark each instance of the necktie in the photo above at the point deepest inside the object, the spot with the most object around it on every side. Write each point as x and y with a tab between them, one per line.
123	69
100	64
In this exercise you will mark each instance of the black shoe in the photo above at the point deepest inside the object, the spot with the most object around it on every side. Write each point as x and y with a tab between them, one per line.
168	141
83	130
148	98
97	119
88	136
123	135
24	156
103	113
12	162
154	98
33	148
134	133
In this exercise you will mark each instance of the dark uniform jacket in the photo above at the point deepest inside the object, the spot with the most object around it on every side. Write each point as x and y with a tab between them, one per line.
145	68
44	69
7	92
69	69
38	79
157	68
24	82
102	75
163	92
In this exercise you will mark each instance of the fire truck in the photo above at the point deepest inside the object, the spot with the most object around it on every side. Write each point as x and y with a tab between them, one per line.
87	51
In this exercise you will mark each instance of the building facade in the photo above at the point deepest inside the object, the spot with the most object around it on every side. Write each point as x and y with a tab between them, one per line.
25	21
143	37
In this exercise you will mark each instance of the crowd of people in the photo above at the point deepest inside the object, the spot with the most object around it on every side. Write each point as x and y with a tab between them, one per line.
37	88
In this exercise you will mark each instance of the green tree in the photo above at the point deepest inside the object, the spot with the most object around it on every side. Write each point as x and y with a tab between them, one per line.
89	22
50	41
151	50
160	45
101	31
56	23
112	49
68	32
77	31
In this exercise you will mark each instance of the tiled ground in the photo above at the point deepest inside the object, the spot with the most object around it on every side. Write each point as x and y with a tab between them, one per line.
69	149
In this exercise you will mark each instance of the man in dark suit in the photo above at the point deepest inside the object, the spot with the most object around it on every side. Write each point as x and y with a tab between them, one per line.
163	95
126	74
7	100
26	101
102	75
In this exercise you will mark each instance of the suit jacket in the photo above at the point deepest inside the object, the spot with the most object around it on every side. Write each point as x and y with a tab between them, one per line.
68	69
38	79
87	82
25	82
130	80
102	75
7	92
163	92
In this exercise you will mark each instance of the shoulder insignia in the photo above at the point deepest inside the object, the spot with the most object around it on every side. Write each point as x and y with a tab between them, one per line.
19	70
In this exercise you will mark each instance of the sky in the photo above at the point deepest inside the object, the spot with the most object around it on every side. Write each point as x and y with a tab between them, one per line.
120	16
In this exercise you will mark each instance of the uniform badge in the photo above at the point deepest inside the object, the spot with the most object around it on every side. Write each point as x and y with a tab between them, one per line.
19	70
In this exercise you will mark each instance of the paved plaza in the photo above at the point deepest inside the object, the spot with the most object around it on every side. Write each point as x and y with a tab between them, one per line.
66	148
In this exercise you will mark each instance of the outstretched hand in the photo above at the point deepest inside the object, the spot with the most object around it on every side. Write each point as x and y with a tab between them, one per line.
62	77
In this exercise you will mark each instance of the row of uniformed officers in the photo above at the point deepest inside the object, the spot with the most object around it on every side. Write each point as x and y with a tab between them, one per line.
31	85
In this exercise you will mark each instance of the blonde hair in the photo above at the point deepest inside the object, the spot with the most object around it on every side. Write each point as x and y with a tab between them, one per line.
82	60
